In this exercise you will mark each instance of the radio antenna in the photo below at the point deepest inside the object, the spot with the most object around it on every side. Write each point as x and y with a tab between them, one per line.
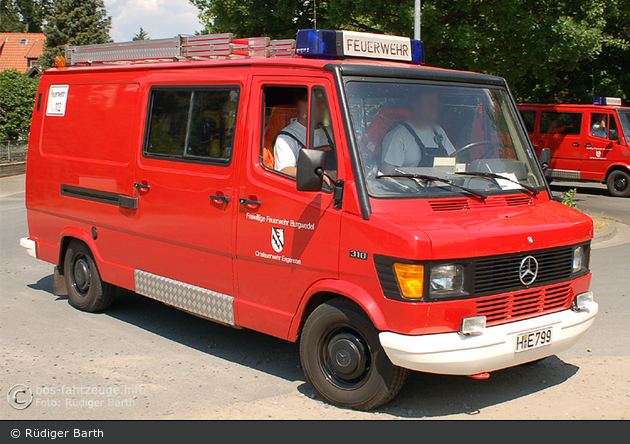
314	14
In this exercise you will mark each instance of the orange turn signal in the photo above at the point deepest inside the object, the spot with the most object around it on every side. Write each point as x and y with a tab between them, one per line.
60	61
410	279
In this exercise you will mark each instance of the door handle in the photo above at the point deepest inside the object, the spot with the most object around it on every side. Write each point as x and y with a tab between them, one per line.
142	186
249	203
576	144
588	145
220	199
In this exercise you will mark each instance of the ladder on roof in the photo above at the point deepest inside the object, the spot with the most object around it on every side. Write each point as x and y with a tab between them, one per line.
201	47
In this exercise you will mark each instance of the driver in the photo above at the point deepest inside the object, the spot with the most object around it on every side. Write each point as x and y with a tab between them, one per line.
292	138
417	141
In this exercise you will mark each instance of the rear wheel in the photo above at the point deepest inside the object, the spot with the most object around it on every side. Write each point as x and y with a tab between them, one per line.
86	290
618	183
343	359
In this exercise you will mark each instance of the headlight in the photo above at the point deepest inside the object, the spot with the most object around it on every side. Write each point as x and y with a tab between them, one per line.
446	280
578	259
410	279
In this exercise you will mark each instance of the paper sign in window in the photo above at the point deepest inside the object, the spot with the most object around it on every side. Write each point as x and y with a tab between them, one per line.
57	99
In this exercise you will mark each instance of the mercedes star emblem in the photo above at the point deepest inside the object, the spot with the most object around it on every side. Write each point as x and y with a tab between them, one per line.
528	270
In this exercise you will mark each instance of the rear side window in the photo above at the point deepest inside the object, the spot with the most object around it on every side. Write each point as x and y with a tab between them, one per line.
529	119
560	123
193	124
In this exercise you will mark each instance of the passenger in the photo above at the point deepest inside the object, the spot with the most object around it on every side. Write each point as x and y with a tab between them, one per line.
555	127
598	129
292	138
417	141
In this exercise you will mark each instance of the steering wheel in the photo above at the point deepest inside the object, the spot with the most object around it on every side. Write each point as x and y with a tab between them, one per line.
486	155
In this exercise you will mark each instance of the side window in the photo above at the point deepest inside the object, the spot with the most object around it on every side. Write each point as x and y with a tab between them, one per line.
529	118
599	125
560	123
613	133
285	118
321	133
193	124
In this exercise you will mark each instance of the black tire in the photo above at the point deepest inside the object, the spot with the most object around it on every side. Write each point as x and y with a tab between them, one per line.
366	379
86	290
618	183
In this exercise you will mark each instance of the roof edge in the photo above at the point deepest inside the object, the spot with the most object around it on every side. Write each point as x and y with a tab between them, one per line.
415	72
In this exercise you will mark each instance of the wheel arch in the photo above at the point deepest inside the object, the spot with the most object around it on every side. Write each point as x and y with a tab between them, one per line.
323	291
68	235
617	167
111	272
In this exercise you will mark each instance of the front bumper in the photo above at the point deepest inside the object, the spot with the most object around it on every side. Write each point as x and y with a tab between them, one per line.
493	349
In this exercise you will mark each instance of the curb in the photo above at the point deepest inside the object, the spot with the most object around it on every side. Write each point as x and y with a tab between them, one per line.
12	169
608	233
616	234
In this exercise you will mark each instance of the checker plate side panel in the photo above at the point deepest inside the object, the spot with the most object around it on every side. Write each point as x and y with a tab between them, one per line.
564	174
207	303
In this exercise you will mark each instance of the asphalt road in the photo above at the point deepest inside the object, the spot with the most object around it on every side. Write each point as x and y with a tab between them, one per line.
144	360
593	198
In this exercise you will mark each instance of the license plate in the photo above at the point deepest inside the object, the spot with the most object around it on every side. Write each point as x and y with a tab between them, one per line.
533	339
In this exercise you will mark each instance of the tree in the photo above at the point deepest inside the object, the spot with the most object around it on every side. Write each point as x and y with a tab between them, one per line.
141	35
74	22
17	96
278	19
23	15
548	50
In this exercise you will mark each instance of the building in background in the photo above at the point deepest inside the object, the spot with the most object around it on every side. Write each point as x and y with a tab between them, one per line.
21	51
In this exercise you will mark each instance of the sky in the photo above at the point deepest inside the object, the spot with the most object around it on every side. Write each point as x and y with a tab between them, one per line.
160	18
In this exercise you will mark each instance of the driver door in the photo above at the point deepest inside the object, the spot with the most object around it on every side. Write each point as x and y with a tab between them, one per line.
285	240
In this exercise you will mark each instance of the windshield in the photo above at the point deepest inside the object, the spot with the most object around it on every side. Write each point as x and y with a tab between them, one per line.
412	134
624	117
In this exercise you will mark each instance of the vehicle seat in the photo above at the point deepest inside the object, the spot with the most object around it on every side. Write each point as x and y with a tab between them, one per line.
481	131
378	128
279	118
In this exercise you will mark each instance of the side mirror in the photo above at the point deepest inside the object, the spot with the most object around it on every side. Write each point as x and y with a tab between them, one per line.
310	169
613	134
544	158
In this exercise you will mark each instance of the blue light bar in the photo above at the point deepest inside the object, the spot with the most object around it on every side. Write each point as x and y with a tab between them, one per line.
612	101
327	44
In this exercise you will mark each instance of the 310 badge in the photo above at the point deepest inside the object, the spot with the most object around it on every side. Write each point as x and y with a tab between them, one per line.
354	254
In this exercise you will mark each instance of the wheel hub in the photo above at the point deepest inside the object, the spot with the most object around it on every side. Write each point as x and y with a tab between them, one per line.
82	275
347	356
621	184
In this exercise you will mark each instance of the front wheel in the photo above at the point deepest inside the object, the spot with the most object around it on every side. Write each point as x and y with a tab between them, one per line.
618	183
343	359
86	290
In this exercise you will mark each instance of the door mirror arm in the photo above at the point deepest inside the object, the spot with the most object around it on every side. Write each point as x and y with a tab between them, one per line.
545	158
337	186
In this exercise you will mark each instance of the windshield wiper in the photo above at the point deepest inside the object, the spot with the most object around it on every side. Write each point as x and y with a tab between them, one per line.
498	176
476	194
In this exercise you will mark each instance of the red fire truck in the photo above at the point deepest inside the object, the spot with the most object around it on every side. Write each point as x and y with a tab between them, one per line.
329	190
587	142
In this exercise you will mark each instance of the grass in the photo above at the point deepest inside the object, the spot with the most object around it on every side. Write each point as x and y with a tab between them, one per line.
600	223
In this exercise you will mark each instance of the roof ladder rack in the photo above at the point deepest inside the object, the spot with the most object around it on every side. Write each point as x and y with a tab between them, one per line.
201	47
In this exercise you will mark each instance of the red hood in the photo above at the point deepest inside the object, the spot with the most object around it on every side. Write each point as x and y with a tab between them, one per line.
492	231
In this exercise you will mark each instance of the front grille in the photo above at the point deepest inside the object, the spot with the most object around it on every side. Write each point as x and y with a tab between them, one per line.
497	274
525	304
